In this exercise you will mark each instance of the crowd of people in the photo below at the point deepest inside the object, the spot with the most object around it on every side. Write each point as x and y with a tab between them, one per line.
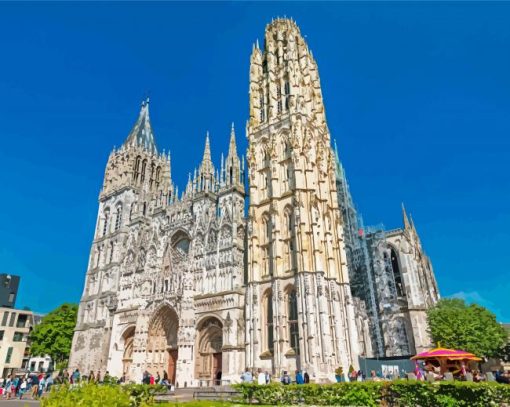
265	378
30	383
148	378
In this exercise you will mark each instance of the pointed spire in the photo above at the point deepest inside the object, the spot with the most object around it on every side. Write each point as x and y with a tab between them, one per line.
141	134
207	149
339	169
232	149
405	218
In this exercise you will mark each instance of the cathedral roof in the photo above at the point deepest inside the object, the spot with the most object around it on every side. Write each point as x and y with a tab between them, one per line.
141	134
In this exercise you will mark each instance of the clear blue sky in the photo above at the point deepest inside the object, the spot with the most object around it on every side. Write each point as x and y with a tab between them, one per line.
417	96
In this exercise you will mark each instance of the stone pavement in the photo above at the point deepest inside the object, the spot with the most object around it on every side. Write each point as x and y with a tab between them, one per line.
19	403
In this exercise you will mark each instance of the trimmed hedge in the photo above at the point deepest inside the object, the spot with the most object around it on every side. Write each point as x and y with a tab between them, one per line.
93	395
400	393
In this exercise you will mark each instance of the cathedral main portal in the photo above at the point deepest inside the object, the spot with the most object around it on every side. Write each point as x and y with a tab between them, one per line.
162	351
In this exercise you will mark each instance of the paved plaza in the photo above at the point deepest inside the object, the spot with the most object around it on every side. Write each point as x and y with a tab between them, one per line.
19	403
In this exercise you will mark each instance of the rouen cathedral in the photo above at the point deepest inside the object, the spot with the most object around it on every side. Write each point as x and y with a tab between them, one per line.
200	284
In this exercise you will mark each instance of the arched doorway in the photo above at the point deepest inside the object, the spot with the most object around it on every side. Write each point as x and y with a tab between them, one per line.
127	356
208	364
162	353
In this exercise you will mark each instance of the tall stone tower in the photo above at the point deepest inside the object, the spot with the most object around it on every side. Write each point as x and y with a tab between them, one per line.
298	303
136	179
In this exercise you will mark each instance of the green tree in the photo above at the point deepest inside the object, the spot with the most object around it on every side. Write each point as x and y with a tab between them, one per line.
472	328
54	335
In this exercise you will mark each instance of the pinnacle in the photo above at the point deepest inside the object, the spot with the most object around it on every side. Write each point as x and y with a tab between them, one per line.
141	134
405	218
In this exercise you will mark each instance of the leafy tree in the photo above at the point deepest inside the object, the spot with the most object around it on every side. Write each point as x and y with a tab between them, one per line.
472	328
54	335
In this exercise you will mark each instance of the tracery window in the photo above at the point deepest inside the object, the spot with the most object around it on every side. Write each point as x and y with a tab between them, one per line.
118	218
262	110
112	248
158	177
136	172
279	97
106	221
293	321
144	167
399	284
287	95
269	322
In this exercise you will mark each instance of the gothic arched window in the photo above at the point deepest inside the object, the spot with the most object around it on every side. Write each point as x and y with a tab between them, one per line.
262	110
112	248
106	221
279	97
136	172
399	284
287	95
144	167
158	177
118	217
269	322
292	320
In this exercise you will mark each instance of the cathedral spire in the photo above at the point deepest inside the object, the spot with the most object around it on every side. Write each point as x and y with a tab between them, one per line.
141	135
407	225
233	173
207	168
232	148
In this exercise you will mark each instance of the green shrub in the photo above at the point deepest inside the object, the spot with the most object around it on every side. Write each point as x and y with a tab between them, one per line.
93	395
89	395
400	392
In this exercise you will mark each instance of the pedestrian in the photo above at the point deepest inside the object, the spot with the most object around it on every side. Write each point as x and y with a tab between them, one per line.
299	377
151	379
49	382
35	386
261	377
306	378
22	388
268	377
92	378
76	376
98	377
158	378
106	378
247	377
285	379
9	387
146	379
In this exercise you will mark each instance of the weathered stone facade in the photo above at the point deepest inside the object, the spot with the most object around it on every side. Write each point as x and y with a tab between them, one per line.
189	285
392	281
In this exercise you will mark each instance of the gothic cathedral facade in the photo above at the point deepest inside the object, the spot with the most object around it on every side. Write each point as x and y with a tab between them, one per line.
190	285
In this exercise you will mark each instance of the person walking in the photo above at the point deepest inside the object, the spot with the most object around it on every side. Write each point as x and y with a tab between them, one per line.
76	376
306	378
22	388
299	377
261	377
35	386
146	378
285	379
247	377
92	378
